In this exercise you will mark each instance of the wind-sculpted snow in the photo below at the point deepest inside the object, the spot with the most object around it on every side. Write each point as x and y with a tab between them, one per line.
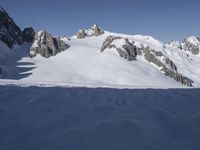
35	118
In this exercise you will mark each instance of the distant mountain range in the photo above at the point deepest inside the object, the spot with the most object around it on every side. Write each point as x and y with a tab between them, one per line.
94	57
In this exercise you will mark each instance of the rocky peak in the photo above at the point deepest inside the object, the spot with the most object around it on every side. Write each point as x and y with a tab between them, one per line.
10	33
46	45
191	44
176	44
28	34
193	40
95	30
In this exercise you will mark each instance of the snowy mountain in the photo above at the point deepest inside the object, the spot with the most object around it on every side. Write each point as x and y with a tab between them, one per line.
65	113
96	58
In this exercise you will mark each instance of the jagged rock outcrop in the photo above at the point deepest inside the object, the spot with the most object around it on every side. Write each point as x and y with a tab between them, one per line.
46	45
108	43
10	33
128	50
176	44
81	34
166	65
191	44
95	30
28	34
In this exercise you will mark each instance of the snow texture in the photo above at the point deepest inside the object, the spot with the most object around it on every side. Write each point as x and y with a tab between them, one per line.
34	118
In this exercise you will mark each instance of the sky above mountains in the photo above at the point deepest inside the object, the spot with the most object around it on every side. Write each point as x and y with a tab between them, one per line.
164	20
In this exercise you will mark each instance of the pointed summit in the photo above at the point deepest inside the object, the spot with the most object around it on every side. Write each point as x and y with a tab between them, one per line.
10	33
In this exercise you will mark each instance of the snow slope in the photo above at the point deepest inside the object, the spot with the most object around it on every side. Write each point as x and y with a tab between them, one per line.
83	65
36	118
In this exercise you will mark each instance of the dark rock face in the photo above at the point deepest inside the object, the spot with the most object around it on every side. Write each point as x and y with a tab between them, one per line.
28	34
129	51
10	33
46	45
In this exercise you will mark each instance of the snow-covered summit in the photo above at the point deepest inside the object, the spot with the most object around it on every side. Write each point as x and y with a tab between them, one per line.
191	44
193	40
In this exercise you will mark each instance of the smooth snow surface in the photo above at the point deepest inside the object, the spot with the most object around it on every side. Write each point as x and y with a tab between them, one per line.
36	118
83	65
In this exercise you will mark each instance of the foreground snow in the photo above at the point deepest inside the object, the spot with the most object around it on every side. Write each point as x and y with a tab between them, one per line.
47	118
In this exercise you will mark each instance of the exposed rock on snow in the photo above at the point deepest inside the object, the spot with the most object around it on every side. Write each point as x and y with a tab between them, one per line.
167	66
81	34
176	44
129	51
28	34
10	33
46	45
95	30
191	44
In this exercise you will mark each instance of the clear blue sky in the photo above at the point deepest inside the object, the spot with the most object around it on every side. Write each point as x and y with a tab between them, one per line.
162	19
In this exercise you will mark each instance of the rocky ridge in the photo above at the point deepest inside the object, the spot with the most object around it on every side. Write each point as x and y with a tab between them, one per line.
128	50
191	44
10	33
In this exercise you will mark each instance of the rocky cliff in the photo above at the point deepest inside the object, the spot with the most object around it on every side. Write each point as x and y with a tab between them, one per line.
46	45
10	33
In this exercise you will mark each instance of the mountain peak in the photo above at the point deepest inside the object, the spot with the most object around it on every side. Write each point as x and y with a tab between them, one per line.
94	30
10	33
193	39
